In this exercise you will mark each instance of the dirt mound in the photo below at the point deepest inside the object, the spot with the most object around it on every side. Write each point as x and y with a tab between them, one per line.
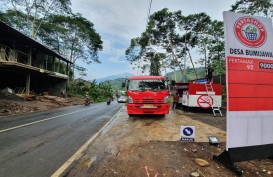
149	146
169	158
11	104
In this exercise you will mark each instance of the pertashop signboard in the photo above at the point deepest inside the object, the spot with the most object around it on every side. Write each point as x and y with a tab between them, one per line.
249	72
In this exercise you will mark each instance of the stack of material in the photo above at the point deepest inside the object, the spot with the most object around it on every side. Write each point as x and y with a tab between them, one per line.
55	99
8	94
27	97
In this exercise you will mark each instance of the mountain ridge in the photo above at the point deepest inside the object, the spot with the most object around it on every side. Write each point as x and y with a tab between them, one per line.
113	77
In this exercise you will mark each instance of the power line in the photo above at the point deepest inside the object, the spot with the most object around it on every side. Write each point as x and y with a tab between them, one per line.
147	21
149	10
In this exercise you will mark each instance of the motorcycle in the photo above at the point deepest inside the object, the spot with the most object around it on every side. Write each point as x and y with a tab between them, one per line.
86	102
108	101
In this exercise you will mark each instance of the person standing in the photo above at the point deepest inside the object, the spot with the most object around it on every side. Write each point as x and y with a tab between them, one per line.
209	74
175	101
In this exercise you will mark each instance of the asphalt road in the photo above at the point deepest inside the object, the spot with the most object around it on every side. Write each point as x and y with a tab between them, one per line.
38	144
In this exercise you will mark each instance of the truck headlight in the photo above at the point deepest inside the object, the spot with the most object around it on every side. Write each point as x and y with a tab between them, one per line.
130	99
166	98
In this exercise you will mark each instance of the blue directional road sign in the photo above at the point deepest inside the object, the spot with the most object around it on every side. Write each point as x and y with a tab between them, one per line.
187	133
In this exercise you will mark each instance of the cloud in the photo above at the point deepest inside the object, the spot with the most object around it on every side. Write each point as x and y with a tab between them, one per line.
118	21
126	19
107	46
118	17
115	59
110	49
118	56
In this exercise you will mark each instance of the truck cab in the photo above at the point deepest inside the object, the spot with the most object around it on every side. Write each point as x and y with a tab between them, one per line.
147	95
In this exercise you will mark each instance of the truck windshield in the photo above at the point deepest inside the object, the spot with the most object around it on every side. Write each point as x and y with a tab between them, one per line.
147	85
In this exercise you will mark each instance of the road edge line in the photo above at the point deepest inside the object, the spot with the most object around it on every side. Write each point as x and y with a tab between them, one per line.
83	148
39	121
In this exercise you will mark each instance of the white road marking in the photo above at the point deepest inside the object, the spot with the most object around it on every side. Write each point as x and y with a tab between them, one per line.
80	152
24	125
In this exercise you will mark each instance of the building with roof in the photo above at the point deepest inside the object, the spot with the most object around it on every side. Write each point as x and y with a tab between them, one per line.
28	67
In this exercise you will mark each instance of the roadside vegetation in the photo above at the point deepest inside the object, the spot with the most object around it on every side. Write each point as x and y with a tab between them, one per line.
94	91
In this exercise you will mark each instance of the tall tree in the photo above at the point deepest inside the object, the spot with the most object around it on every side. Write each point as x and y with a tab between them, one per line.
258	7
28	15
162	32
216	46
156	39
195	28
72	36
178	35
53	23
155	67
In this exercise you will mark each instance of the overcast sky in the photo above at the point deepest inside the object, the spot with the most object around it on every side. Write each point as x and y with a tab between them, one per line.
118	21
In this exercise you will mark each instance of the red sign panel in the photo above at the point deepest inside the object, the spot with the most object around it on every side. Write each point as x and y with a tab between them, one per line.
249	87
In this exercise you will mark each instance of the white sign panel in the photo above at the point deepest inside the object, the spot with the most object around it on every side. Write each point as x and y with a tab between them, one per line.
187	133
249	67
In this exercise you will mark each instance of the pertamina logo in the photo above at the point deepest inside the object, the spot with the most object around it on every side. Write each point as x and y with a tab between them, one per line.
250	31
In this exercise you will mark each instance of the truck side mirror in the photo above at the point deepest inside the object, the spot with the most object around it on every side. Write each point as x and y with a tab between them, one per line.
173	82
123	84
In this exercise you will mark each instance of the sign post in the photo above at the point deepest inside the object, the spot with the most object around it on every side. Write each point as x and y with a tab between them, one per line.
249	73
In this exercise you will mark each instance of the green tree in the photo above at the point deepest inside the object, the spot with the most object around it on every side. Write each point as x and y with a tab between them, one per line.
81	70
258	7
206	35
195	28
155	64
53	23
217	46
178	36
96	92
72	36
156	38
27	16
162	31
